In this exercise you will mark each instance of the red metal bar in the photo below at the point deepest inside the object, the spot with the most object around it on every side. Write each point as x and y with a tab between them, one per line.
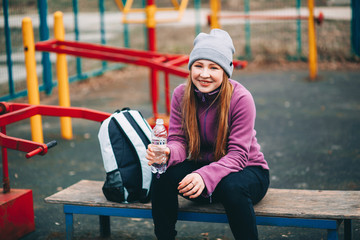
167	94
154	85
24	111
41	46
115	57
13	112
180	60
239	64
6	181
22	145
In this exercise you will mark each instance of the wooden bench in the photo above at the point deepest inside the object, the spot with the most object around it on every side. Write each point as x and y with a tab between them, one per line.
280	207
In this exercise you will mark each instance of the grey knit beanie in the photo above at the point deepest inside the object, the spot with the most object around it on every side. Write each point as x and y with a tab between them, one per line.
217	47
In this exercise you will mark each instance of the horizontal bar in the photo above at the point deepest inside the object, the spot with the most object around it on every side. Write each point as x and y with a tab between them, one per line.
297	222
202	217
43	46
108	211
116	57
26	110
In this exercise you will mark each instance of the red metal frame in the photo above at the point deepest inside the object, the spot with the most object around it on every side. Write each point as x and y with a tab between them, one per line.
14	112
149	59
167	63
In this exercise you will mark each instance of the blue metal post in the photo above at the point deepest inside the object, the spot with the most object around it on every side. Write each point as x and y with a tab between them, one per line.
76	30
45	56
102	27
69	223
355	27
8	47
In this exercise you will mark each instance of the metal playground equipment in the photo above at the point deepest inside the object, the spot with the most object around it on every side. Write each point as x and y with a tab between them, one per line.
16	205
166	63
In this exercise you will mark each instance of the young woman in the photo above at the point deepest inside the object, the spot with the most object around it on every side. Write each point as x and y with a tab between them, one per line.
212	152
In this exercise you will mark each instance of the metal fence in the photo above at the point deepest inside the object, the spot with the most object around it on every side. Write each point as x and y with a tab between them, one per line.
278	29
266	37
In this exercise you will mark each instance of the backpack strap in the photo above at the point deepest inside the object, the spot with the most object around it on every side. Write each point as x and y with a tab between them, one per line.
107	152
138	144
143	124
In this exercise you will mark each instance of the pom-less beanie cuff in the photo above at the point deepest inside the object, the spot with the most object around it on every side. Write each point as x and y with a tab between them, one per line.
214	56
217	46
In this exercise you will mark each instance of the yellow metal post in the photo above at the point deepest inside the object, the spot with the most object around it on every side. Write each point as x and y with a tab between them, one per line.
31	78
312	43
62	76
215	6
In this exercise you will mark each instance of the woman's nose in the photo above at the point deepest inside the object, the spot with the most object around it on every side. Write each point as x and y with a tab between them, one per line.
204	73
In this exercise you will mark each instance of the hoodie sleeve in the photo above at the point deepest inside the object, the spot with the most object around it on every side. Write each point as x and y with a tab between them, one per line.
176	139
241	126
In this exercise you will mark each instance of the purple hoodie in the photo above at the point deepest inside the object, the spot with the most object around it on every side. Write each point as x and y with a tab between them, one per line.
243	149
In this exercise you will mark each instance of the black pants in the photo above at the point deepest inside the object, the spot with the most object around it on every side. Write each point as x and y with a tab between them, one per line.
238	192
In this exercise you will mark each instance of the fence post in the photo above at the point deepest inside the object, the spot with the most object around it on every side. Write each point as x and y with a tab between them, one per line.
355	27
298	30
62	75
247	30
76	30
31	78
102	27
45	56
312	42
8	47
215	6
151	30
197	6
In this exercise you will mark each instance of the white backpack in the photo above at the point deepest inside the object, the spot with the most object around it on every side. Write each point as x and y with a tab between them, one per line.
124	137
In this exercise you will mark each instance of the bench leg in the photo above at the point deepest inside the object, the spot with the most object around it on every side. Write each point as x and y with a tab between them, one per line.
332	234
348	229
104	226
69	219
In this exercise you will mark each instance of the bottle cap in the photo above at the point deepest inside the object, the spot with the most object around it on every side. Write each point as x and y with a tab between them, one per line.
159	121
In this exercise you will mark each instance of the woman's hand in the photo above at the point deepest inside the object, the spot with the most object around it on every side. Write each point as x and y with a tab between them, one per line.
150	155
192	185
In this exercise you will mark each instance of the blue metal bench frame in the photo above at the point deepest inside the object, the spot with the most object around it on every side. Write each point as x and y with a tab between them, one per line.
104	213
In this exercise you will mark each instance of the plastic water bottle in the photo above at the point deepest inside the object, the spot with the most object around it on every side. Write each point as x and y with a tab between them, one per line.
159	139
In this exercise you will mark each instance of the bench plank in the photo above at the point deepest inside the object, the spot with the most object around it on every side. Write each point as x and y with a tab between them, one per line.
293	203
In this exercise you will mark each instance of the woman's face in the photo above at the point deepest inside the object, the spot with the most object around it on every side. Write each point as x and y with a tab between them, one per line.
206	75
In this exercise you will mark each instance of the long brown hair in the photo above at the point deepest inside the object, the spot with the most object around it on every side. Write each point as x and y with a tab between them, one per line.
190	121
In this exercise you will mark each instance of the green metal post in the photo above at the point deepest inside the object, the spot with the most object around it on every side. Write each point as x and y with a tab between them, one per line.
76	30
126	32
102	27
197	5
247	30
298	30
146	42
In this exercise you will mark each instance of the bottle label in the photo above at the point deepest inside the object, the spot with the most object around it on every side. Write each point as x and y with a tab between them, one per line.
157	141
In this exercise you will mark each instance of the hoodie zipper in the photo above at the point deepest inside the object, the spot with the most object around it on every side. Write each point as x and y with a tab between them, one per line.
205	136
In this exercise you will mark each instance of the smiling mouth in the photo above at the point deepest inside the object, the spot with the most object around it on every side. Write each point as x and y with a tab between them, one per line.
204	82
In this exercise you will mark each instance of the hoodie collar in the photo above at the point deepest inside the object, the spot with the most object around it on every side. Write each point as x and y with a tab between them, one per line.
207	96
